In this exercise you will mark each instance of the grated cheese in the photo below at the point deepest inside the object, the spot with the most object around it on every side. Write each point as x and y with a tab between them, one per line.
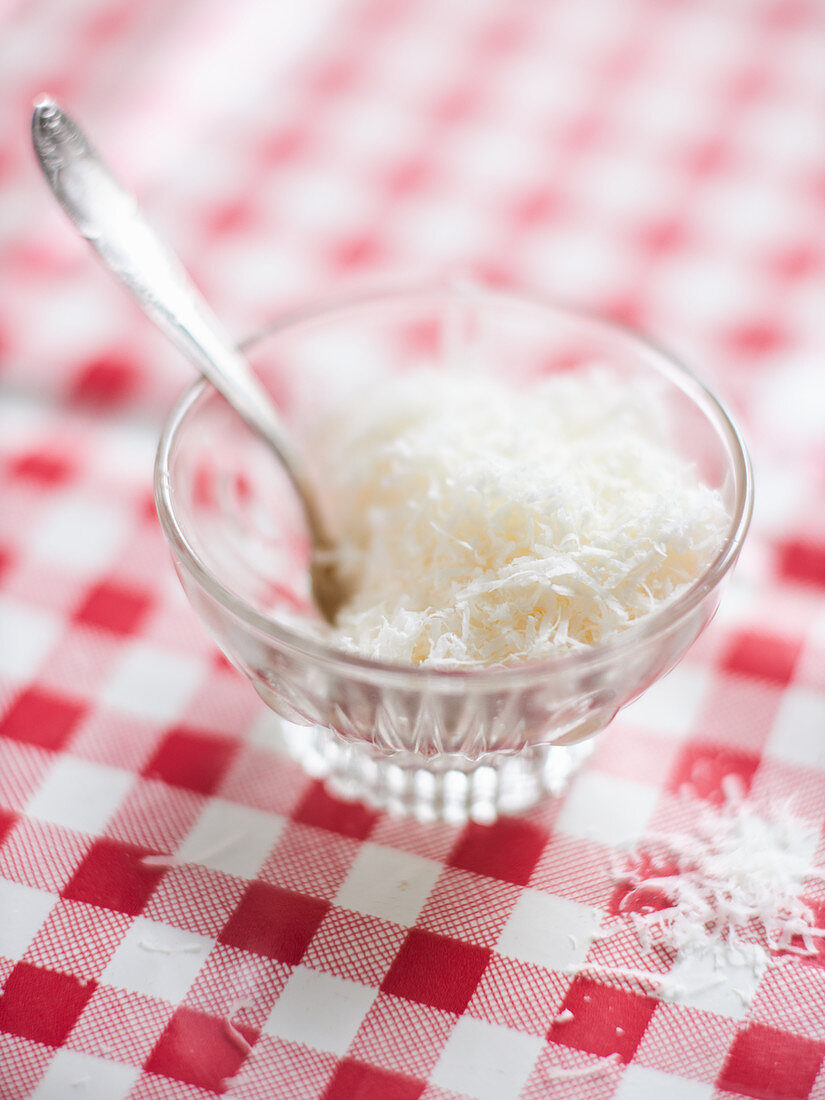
730	891
480	525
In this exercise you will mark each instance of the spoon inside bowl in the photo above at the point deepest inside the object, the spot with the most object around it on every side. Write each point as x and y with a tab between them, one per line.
108	217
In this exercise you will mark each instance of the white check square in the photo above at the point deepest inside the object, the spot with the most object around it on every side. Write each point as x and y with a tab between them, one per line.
607	809
440	228
320	1010
641	1083
486	1061
670	708
315	200
585	260
495	157
265	730
708	293
22	913
80	794
548	930
622	185
27	634
742	211
80	533
721	988
157	960
376	126
388	883
798	733
232	838
71	1073
152	683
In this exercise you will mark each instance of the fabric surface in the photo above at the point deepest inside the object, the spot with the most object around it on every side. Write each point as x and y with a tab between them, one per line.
660	161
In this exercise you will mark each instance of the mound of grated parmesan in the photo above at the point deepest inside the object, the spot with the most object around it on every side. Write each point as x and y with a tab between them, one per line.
485	526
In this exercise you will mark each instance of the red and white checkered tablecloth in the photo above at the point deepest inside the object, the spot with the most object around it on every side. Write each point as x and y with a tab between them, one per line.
660	161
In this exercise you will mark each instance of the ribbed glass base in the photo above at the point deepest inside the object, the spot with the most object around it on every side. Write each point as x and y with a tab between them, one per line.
445	788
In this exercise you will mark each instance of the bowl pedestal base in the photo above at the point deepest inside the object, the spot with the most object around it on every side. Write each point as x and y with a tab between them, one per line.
448	788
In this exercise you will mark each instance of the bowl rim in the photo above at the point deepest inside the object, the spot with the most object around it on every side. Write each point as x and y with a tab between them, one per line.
657	624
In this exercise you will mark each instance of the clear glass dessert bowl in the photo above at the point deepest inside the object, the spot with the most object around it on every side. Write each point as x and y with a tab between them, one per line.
439	743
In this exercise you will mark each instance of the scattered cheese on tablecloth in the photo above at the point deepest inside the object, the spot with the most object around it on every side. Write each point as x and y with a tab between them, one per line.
732	887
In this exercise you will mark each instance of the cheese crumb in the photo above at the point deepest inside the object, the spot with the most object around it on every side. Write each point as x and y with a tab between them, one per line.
485	526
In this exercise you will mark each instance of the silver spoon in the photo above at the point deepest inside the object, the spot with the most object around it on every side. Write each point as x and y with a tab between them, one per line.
108	217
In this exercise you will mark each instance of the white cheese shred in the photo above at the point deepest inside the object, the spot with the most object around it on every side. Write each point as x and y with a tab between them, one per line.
231	1029
595	1069
649	979
185	949
160	860
169	860
484	526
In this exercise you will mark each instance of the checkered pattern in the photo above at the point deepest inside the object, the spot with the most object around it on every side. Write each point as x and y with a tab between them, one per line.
660	161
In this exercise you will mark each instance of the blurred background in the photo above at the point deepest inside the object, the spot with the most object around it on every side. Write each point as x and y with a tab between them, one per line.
659	161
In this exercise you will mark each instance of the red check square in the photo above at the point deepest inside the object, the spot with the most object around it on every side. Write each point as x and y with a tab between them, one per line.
336	814
508	850
106	382
114	607
419	338
284	145
42	1005
803	562
661	236
42	719
794	261
225	218
7	821
771	1065
598	1010
274	922
536	206
113	877
188	758
355	1079
199	1049
703	767
755	339
406	177
436	970
763	656
352	253
42	466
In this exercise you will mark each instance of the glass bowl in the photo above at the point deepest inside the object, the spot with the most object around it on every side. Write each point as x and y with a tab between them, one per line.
441	744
